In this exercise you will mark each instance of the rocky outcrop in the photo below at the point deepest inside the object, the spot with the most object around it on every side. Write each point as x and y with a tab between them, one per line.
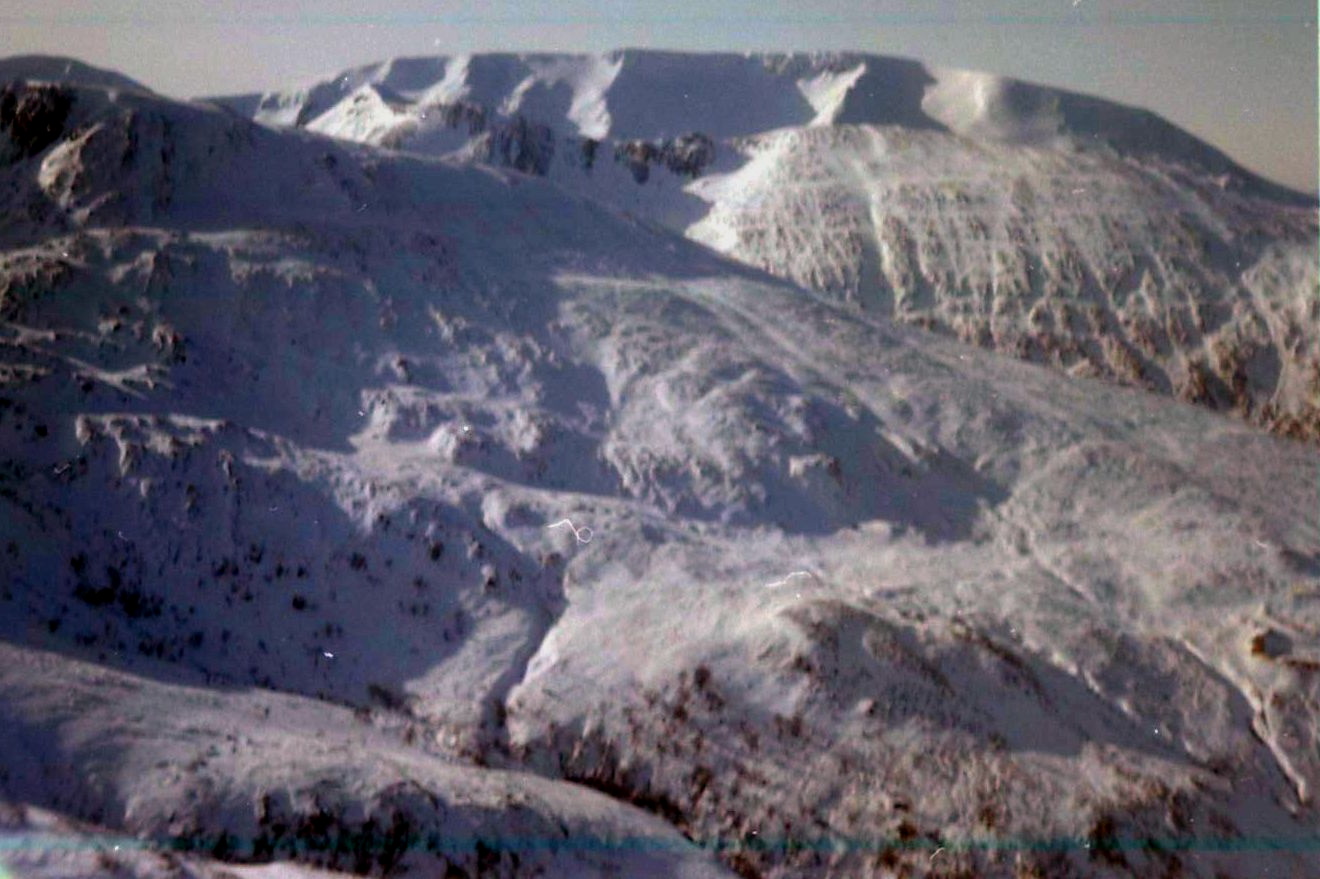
687	155
32	118
464	114
524	145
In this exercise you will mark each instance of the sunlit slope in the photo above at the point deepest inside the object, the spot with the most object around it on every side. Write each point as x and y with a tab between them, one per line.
1143	272
300	439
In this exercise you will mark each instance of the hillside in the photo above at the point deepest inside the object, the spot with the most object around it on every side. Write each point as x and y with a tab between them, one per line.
386	513
1052	226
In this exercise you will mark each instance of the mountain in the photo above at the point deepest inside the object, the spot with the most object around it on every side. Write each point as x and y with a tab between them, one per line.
1053	226
51	68
384	513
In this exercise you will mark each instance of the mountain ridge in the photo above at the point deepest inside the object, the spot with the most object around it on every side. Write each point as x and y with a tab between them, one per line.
883	90
59	68
1053	226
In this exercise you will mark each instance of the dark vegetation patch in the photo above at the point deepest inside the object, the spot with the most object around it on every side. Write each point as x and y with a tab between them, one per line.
113	589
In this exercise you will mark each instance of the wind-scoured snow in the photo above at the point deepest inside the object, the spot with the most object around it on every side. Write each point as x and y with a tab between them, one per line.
300	443
1053	226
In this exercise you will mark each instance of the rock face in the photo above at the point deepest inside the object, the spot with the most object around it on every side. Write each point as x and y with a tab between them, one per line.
1051	226
32	117
390	514
523	145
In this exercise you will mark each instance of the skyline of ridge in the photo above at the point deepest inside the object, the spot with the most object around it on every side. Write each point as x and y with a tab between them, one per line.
1244	81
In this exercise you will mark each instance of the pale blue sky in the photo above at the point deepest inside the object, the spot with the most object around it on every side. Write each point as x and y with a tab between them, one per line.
1239	74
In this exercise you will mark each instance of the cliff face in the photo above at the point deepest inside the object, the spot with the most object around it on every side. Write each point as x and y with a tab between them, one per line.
1047	225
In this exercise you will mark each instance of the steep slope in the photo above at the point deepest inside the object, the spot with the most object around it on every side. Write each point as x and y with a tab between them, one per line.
396	504
1053	226
1145	272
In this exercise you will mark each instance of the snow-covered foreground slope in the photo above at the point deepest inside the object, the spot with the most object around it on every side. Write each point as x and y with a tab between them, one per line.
1052	226
387	514
39	844
262	775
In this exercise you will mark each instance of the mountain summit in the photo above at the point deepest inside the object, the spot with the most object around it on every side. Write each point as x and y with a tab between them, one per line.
644	94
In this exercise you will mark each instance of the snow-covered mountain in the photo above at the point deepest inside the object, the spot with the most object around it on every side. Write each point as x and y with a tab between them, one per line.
1052	226
387	513
51	68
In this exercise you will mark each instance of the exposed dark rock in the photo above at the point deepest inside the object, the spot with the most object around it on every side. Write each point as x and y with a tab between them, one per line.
687	155
524	145
33	117
638	156
462	113
589	147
